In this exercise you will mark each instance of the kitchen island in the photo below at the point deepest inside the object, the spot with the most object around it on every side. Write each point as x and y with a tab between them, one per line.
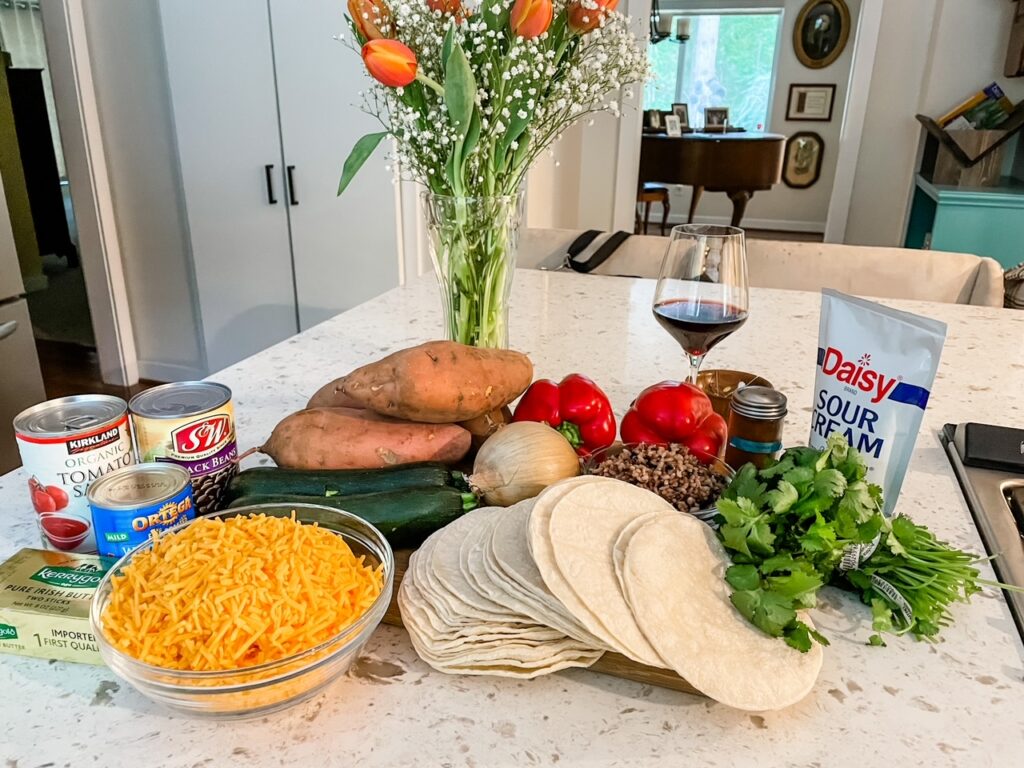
957	702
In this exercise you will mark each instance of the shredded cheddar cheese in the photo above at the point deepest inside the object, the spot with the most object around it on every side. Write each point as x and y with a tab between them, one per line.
227	594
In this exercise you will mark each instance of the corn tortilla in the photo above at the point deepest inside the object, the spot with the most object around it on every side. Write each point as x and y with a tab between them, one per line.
673	571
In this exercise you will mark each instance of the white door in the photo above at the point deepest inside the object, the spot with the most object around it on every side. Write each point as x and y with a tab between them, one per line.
345	248
220	66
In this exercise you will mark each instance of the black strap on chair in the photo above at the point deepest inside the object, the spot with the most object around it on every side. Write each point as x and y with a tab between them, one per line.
601	255
579	245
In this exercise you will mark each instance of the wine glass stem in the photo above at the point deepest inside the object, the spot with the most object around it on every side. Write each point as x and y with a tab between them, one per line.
695	361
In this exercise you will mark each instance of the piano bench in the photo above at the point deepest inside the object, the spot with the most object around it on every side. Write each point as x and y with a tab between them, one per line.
649	193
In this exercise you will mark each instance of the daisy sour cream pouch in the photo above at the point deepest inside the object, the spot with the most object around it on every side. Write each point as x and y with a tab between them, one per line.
876	367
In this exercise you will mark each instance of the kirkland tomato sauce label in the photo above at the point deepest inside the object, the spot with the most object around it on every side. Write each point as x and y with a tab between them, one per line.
60	470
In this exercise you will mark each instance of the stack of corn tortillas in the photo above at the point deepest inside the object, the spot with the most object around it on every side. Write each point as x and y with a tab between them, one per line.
467	615
593	564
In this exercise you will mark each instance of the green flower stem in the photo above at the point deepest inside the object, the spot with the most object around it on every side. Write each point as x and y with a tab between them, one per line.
430	82
472	241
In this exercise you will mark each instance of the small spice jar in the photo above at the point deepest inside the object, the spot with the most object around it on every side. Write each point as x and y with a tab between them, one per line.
755	426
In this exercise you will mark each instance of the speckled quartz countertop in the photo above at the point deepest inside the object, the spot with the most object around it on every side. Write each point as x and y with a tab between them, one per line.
959	702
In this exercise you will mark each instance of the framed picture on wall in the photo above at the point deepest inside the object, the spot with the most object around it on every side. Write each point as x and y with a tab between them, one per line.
682	111
802	164
1015	52
811	102
672	125
821	32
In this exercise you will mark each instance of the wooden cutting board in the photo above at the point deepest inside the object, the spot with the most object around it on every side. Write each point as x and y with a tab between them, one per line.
613	664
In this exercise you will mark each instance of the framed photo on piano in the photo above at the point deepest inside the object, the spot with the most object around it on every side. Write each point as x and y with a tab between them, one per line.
653	119
716	119
682	111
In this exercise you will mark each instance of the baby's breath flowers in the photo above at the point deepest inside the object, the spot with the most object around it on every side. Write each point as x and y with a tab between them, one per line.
495	82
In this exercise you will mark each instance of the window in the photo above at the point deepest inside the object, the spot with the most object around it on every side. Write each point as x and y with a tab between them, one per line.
728	61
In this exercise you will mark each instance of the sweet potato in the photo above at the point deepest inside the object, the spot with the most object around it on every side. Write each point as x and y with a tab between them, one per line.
440	382
348	438
484	426
331	396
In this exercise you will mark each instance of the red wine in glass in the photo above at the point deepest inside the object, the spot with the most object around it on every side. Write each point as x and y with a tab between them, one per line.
702	295
698	325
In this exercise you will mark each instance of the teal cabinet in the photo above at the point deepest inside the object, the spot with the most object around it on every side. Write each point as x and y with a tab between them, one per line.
987	221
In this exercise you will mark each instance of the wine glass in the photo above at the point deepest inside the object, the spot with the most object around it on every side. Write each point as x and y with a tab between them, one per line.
702	294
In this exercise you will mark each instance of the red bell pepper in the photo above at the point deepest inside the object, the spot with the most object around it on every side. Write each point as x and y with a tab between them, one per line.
675	412
576	407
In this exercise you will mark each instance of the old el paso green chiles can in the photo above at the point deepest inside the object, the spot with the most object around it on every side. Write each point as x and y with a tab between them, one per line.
128	505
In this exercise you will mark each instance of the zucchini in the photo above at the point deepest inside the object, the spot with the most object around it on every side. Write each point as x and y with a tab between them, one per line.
405	517
337	482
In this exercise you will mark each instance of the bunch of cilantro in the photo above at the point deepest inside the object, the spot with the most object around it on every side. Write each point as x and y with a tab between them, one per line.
788	526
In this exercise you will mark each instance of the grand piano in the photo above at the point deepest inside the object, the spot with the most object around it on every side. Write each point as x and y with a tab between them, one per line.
738	164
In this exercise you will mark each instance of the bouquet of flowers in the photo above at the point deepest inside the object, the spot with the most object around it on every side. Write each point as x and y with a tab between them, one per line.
473	93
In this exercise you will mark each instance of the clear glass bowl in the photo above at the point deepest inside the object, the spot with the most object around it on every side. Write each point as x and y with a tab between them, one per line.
707	513
64	531
719	384
264	688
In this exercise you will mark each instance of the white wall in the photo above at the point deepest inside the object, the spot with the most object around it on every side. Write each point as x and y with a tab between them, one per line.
931	55
126	51
574	185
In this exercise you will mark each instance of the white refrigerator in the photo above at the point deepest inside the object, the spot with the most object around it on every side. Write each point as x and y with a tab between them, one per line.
21	381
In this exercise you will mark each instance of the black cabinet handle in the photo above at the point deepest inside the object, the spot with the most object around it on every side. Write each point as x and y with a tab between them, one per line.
291	185
268	170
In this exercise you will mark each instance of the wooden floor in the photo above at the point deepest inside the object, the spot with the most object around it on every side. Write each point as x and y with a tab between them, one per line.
778	234
653	228
71	369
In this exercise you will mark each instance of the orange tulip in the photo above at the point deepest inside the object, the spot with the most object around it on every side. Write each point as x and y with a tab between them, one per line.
531	18
390	62
583	19
369	17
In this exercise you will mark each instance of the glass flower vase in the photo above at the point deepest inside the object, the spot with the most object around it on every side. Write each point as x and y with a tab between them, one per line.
473	242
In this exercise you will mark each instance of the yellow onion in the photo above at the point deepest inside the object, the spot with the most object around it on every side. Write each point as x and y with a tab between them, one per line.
519	461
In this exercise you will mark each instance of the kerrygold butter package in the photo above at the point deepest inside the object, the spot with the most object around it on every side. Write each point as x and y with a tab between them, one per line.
44	604
875	372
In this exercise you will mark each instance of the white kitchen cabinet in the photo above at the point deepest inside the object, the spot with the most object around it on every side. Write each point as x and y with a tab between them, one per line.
345	247
265	110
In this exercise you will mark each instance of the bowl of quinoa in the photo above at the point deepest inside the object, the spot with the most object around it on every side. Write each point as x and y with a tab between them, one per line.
671	471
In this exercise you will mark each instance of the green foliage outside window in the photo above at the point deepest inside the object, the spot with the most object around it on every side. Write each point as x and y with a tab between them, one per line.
728	62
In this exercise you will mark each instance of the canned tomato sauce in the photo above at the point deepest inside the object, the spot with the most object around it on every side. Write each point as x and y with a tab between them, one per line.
65	445
190	423
130	503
